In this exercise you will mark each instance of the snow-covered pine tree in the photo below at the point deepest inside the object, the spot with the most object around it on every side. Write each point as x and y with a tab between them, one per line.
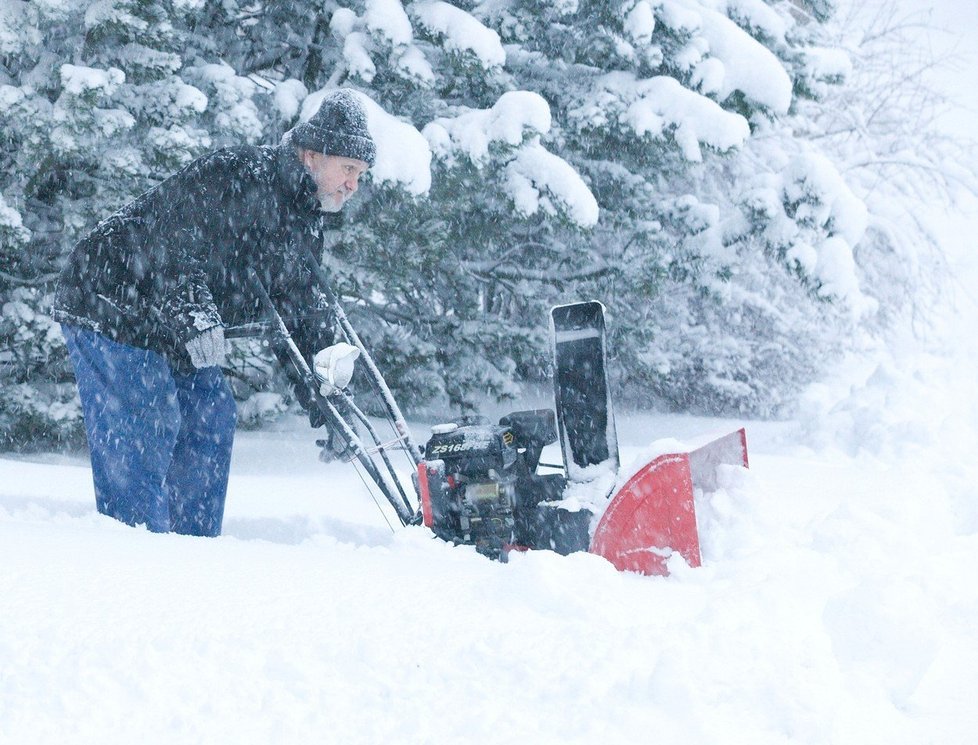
709	241
93	112
724	246
102	106
643	152
729	239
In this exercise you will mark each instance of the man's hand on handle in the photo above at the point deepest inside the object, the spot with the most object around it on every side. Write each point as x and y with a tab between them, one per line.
334	366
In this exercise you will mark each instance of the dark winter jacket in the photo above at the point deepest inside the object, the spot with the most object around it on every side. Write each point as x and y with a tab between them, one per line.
175	261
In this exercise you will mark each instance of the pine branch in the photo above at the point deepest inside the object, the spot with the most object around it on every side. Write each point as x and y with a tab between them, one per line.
29	281
535	275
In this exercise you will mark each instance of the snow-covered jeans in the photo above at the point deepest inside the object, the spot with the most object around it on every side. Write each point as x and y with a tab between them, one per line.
160	442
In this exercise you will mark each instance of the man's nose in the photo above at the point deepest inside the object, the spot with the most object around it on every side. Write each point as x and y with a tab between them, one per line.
352	183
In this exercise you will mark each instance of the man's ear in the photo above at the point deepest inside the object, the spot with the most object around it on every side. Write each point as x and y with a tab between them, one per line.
305	157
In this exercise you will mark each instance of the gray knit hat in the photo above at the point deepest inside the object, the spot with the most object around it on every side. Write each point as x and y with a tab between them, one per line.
339	127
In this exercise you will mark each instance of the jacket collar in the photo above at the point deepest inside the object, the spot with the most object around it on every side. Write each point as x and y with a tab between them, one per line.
297	183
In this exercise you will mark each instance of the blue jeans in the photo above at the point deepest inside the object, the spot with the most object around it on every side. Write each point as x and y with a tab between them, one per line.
160	441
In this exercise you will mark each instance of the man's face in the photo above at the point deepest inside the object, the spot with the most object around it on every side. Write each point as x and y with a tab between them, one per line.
337	177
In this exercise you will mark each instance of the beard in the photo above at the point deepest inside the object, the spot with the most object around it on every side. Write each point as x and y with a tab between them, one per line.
333	201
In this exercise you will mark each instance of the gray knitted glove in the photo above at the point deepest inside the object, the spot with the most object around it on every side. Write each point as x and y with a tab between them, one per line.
207	348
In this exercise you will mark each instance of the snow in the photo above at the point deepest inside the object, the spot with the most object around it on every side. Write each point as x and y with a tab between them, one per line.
237	114
834	605
355	51
78	80
388	19
10	96
342	22
813	180
828	63
460	31
749	66
758	17
708	75
640	23
189	97
539	180
384	26
108	13
10	220
836	270
562	8
515	115
535	179
414	65
288	96
655	106
677	16
15	29
822	198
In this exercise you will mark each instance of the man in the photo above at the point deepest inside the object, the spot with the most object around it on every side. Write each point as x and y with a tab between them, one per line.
145	297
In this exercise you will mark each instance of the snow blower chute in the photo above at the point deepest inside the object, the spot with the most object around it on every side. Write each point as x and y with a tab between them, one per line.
483	484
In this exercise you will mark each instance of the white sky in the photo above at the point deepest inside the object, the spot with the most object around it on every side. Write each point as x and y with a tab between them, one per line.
956	31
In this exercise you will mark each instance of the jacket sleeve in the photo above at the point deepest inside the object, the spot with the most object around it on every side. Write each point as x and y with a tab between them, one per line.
187	303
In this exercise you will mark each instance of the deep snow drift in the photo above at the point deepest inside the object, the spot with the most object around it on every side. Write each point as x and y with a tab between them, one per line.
836	604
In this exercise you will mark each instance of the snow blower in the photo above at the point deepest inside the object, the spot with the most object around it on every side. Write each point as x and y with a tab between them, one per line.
483	484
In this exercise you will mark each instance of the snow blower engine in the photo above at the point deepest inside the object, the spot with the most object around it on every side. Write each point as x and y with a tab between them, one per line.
479	486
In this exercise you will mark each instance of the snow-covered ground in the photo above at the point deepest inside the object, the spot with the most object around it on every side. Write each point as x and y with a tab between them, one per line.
836	604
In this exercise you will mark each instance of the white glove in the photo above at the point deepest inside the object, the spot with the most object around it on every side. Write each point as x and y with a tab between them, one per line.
334	366
207	348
